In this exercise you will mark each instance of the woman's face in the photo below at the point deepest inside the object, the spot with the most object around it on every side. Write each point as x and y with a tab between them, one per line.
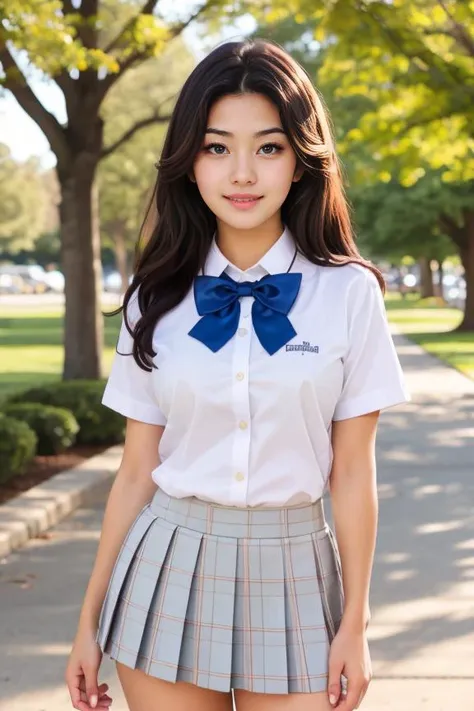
245	152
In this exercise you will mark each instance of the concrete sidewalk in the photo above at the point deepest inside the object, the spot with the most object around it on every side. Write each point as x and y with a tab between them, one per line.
422	596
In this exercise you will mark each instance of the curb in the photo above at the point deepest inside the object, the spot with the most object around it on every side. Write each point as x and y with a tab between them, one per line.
43	506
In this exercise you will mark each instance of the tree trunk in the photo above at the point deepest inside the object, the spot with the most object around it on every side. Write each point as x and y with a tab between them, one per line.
440	286
467	258
81	264
121	260
426	278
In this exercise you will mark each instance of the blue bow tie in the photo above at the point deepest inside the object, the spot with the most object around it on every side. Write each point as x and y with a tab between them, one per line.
217	301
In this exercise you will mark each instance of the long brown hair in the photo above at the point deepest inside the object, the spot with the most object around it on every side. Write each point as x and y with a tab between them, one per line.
178	227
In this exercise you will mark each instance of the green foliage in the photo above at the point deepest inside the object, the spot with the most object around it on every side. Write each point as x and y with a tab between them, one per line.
55	427
127	175
393	220
23	202
413	63
17	447
98	424
56	35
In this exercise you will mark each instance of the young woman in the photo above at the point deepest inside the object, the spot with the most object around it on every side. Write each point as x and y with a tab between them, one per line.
253	360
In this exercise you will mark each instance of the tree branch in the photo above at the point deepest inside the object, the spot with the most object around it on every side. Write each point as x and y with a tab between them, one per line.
68	8
87	29
149	121
456	233
30	103
141	55
426	120
426	56
147	9
459	32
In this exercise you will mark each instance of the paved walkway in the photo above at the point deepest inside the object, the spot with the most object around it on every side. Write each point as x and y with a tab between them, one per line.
422	601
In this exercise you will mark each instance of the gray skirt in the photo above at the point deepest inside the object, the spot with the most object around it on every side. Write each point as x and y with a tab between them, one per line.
225	597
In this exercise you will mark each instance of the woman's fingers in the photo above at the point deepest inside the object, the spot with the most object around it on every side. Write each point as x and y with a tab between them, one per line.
102	688
104	700
80	699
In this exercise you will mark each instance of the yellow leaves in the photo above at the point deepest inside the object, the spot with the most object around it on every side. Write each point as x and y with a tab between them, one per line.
98	58
52	40
81	64
384	176
355	135
409	176
275	15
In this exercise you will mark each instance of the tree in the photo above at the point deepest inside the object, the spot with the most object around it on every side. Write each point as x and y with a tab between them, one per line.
85	47
404	74
126	176
394	221
22	201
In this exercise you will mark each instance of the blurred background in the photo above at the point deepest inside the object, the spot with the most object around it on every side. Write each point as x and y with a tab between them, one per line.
86	91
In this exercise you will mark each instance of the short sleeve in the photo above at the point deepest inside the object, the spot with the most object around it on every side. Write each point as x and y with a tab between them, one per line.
129	389
373	378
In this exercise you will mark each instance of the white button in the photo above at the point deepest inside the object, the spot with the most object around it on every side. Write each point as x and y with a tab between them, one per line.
243	425
239	476
240	376
246	315
242	331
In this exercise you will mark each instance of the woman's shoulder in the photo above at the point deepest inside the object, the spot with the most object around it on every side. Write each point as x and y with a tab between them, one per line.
349	278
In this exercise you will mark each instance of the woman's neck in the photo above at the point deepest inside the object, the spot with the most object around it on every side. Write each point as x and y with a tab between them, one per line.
244	248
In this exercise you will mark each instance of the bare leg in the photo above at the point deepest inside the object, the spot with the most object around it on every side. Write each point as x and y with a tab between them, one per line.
248	701
147	693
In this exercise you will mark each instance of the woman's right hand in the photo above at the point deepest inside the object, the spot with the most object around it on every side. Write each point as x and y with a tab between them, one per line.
82	675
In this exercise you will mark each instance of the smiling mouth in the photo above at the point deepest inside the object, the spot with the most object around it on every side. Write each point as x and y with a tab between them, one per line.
248	199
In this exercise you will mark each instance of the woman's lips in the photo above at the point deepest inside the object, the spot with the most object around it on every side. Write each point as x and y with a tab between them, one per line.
243	203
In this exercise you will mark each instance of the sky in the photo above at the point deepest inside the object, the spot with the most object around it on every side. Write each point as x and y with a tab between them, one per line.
25	139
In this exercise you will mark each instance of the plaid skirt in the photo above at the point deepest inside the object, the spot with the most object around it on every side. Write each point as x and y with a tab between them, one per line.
225	597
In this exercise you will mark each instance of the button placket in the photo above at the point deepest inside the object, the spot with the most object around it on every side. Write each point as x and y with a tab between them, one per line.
241	406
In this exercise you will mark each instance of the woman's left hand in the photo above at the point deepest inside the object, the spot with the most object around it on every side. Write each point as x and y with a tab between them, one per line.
349	655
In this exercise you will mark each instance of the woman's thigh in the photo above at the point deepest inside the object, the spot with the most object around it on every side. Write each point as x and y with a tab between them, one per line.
147	693
248	701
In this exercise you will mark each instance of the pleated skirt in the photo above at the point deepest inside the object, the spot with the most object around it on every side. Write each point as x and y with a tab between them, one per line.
225	597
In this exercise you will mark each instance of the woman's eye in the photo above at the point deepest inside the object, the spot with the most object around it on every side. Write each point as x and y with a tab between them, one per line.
217	149
275	146
214	145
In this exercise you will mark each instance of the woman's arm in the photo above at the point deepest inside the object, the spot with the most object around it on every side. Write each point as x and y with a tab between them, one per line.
353	490
132	489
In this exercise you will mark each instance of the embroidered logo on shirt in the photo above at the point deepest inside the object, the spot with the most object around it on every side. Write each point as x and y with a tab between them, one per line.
305	346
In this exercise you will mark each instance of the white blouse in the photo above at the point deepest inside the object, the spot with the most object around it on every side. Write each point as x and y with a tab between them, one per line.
245	428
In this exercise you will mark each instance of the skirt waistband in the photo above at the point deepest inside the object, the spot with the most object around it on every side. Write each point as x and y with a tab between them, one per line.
235	522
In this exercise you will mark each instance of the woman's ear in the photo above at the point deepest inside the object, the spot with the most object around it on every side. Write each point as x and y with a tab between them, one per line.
191	177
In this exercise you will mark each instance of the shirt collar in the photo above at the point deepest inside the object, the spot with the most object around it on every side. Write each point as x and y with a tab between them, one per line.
277	260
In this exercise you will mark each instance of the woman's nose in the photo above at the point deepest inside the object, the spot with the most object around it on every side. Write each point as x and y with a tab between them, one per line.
243	170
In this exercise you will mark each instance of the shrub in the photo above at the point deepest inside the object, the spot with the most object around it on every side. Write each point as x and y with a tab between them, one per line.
97	424
55	427
17	447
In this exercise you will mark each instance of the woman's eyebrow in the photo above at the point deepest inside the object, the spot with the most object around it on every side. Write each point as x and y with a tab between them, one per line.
265	131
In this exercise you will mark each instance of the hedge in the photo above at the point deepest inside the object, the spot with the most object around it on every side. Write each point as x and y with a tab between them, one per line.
17	447
97	423
55	427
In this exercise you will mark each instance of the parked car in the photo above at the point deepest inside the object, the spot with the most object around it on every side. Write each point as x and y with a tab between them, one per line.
28	278
54	280
10	284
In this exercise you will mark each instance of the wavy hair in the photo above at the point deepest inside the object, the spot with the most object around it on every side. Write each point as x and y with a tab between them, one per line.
178	228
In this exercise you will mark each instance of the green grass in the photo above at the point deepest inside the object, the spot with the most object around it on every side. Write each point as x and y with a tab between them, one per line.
31	350
431	326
